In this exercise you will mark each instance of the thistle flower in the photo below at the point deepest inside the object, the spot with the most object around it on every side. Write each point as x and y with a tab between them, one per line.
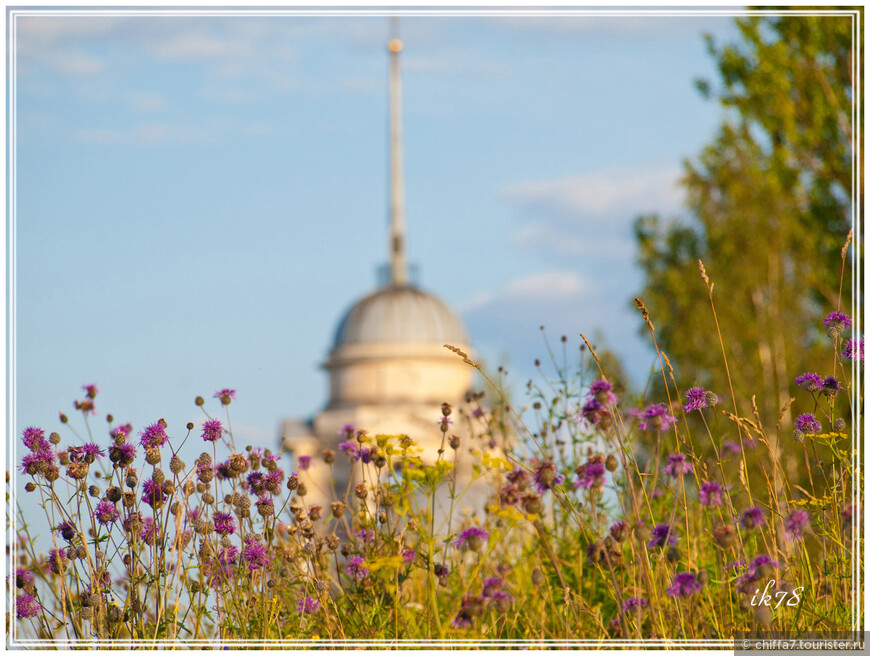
122	455
355	568
730	446
26	606
92	390
633	604
224	523
806	423
546	477
761	567
121	431
274	480
105	512
304	462
85	453
67	530
256	555
662	536
830	386
212	430
710	494
226	395
34	439
56	560
602	391
349	448
152	493
752	517
23	578
696	399
685	584
836	322
593	413
308	605
38	462
655	417
472	538
854	350
809	381
153	437
678	465
409	555
149	532
797	523
590	475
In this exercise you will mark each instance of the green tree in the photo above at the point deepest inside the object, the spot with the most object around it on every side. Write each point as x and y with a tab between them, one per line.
770	202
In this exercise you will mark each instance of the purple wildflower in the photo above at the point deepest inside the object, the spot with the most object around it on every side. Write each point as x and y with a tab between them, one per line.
85	453
806	423
37	462
662	536
212	430
472	538
34	439
593	413
633	604
225	395
105	512
602	391
760	568
809	381
56	560
752	518
837	321
678	465
546	477
308	605
349	448
26	606
265	506
590	475
152	493
149	532
224	470
830	386
304	463
347	430
122	430
710	494
67	530
355	568
153	437
797	523
224	523
23	577
730	446
220	568
409	555
695	399
122	455
854	350
655	417
257	482
92	390
685	585
365	535
256	555
273	481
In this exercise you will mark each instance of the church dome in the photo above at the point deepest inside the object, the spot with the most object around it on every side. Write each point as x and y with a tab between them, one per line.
399	314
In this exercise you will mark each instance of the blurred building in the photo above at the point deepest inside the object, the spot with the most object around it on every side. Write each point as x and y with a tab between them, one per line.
388	369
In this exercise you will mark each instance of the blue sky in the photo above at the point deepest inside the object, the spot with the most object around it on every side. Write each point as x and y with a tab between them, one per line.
199	199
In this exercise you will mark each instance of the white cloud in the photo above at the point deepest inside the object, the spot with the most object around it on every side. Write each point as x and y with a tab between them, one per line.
203	45
652	25
141	133
546	287
591	214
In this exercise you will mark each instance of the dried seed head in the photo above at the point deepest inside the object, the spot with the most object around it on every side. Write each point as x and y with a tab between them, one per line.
158	477
361	491
94	491
446	409
320	586
54	438
839	424
301	490
207	498
611	463
338	508
309	549
332	542
328	456
168	487
454	442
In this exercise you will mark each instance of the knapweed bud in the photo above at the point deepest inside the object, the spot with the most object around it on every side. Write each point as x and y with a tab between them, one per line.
158	476
724	535
54	438
320	586
132	480
113	494
129	499
839	424
207	498
301	490
199	401
642	532
446	409
168	487
176	466
63	418
315	513
611	463
94	491
328	456
332	542
703	577
763	615
338	508
538	577
361	491
799	436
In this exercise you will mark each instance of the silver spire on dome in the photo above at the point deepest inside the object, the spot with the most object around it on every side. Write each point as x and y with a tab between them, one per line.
398	265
